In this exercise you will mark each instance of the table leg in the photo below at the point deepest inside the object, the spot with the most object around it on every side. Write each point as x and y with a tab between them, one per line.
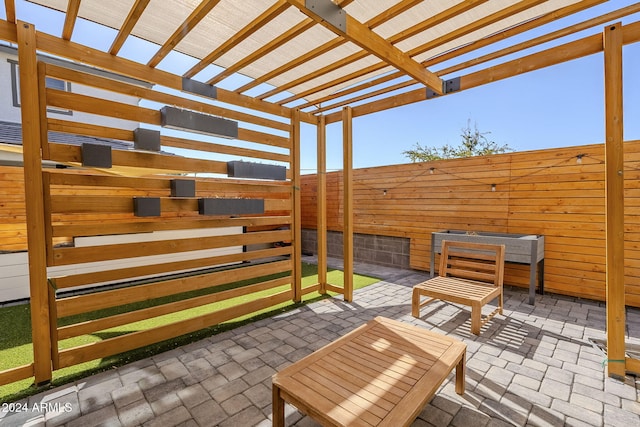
533	266
460	374
278	407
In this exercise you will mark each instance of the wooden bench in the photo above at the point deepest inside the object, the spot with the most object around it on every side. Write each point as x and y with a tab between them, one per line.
383	373
470	274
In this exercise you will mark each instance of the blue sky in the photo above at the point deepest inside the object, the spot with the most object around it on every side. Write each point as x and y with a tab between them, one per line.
558	106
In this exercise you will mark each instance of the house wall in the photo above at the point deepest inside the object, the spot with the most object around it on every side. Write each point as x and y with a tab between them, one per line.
14	267
8	112
11	113
544	192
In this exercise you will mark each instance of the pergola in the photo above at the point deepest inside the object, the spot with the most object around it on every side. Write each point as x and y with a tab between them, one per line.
321	62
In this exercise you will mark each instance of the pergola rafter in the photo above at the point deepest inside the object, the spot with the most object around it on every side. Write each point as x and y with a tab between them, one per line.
320	50
251	28
575	28
127	26
70	19
474	26
277	42
181	32
397	38
371	42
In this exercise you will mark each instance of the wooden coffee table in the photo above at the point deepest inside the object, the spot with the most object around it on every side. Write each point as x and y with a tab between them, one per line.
381	374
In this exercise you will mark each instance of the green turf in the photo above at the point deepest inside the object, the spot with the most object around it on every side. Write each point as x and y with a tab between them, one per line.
16	346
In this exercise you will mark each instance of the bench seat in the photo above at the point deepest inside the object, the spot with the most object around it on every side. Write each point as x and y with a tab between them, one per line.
470	274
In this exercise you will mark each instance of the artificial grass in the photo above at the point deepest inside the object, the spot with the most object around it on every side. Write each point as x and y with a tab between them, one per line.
16	347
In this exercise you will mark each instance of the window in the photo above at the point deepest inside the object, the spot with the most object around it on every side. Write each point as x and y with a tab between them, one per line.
50	83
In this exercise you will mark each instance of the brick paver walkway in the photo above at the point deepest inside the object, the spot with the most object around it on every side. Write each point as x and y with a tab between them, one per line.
533	366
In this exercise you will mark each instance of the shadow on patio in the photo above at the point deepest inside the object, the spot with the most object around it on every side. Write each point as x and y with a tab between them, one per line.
535	365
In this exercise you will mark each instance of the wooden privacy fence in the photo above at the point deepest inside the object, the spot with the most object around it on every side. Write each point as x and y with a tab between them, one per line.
124	211
558	193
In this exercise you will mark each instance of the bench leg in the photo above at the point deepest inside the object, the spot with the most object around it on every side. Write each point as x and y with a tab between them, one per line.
460	374
476	318
415	303
277	407
501	302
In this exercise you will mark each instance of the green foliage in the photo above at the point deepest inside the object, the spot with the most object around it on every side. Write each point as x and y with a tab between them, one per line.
474	143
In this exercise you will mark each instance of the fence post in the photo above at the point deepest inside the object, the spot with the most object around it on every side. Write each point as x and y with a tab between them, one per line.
347	177
297	214
34	200
321	224
614	184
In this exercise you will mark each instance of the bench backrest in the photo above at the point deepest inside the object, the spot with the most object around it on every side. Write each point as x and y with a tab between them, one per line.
474	261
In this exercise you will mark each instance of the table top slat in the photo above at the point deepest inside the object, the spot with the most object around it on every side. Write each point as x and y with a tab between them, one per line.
343	388
387	400
381	374
390	385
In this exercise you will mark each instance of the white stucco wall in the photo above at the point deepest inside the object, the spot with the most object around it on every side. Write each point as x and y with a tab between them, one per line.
14	267
9	113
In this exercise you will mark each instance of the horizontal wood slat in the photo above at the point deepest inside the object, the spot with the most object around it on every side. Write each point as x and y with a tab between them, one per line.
72	154
160	97
148	313
137	339
16	374
120	274
86	303
66	256
90	227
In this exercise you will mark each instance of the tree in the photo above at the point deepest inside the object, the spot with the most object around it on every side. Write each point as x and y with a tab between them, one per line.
474	143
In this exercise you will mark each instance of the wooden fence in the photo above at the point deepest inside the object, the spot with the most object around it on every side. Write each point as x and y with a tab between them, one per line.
13	227
558	193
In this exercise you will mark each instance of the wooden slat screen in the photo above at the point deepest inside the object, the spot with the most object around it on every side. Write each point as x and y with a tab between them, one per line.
95	238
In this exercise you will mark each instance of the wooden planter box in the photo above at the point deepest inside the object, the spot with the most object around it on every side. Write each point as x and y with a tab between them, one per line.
519	248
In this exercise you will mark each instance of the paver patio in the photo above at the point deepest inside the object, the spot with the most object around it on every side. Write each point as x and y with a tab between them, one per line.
536	365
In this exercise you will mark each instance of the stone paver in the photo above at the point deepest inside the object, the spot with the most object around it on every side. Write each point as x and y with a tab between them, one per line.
533	366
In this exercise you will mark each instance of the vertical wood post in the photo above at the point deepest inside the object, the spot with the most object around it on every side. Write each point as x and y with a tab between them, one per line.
321	224
614	180
296	226
347	180
30	109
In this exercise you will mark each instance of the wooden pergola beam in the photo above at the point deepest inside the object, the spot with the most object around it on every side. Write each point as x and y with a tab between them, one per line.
321	226
259	53
347	202
590	23
70	19
127	26
275	44
569	51
181	32
518	29
322	49
374	44
10	10
614	199
296	227
439	18
126	67
319	50
241	35
32	118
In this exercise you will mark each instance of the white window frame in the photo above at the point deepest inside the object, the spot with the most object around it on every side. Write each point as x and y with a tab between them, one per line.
50	83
